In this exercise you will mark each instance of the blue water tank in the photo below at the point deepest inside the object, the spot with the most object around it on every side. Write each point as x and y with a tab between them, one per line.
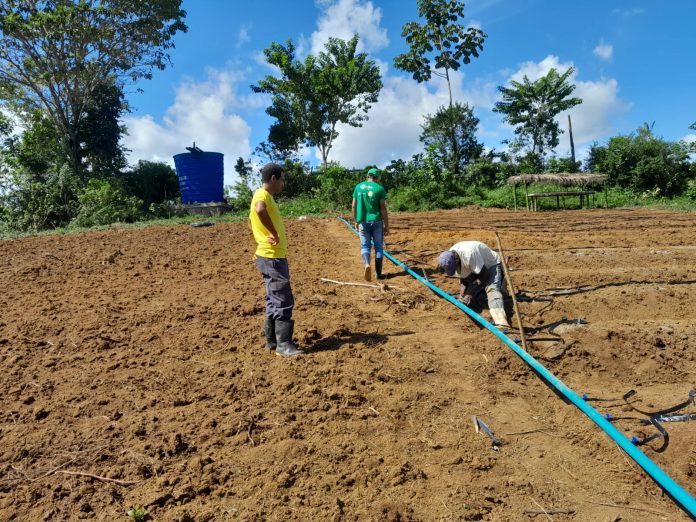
200	176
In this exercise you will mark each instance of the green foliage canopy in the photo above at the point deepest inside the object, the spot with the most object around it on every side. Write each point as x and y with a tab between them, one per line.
54	54
448	43
533	106
312	96
450	135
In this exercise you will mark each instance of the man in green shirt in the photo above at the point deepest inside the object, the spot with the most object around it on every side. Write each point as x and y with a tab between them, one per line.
370	213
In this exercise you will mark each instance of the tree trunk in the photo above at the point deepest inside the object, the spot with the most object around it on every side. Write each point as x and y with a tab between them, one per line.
72	152
572	145
449	86
454	160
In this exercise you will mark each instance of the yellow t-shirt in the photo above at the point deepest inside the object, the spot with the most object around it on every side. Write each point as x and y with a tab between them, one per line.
264	248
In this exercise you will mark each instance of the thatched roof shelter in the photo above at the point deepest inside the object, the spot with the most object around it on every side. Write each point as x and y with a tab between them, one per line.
565	179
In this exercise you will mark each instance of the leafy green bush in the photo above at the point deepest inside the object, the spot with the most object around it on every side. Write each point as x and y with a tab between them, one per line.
103	202
40	202
558	165
310	205
336	185
154	183
641	162
690	192
482	171
429	196
239	196
299	179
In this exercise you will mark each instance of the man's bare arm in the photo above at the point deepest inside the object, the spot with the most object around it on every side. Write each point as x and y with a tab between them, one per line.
385	215
265	219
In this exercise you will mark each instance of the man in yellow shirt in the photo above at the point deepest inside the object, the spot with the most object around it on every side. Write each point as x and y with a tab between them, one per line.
271	260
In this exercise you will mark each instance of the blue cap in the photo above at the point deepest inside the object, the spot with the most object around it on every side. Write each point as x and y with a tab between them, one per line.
447	262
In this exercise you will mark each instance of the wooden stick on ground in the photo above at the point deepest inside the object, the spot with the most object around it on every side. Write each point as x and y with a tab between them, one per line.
512	293
343	283
609	504
552	511
97	477
542	509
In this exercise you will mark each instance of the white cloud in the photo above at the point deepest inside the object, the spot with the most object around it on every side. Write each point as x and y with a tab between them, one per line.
592	118
604	51
689	138
202	112
634	11
394	127
243	36
343	18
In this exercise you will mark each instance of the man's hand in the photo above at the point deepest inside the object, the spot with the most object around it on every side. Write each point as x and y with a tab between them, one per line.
272	240
386	230
466	299
462	288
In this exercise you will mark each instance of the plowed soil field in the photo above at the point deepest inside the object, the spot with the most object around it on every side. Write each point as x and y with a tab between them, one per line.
134	372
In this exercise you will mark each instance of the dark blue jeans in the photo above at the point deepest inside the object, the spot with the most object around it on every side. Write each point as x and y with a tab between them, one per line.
279	298
371	232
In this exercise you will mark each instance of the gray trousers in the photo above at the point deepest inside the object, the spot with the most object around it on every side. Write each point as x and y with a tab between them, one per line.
276	276
493	286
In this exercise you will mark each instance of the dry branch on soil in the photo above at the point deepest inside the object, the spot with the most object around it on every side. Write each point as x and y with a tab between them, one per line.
382	287
97	477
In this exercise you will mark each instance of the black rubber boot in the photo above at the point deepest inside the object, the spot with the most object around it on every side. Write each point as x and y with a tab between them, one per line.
269	330
283	331
378	267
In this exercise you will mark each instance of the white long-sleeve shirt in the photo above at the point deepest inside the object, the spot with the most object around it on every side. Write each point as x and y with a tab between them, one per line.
474	255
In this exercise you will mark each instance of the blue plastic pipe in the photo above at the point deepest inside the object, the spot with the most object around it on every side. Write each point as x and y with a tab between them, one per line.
680	496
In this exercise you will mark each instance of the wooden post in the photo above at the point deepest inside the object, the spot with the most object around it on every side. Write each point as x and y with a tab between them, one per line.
572	145
606	195
514	194
526	193
512	292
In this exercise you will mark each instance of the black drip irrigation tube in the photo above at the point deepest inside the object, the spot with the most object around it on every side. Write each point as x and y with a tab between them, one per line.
674	490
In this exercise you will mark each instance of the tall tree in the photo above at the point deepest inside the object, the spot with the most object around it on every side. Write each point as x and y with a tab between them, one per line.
457	120
441	37
311	97
100	131
54	54
533	106
439	45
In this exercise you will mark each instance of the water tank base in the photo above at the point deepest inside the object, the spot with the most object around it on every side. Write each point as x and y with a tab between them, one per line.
206	209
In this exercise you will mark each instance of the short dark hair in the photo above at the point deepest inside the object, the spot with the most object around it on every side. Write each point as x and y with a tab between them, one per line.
270	170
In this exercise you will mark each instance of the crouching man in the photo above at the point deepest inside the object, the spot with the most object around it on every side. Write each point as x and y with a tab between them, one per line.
478	267
271	260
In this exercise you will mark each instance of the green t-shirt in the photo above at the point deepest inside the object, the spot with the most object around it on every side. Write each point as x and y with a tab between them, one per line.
368	196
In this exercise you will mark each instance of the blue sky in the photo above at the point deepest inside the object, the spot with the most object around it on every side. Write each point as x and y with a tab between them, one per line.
633	60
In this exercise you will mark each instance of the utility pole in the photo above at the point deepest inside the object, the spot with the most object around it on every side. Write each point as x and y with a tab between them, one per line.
572	145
